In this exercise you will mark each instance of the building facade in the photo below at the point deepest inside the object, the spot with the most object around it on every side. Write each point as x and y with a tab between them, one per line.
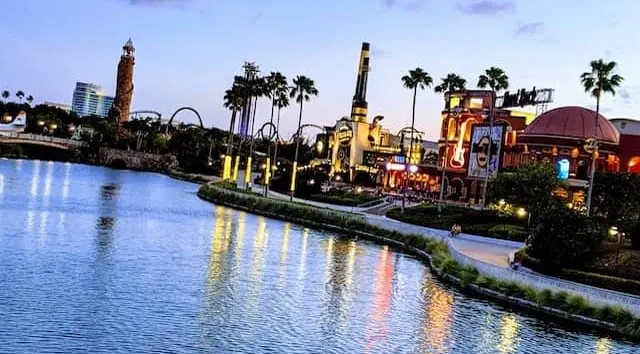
629	150
89	99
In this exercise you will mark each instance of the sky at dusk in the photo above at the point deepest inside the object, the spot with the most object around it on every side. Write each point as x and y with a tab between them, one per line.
187	51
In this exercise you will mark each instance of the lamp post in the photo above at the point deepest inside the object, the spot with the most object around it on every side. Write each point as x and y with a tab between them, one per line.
209	160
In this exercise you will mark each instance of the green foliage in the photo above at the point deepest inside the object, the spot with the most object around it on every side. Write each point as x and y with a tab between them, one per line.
601	79
531	186
477	222
494	78
616	197
635	236
509	232
564	236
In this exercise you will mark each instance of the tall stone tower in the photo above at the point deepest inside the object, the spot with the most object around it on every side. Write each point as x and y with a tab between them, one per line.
124	83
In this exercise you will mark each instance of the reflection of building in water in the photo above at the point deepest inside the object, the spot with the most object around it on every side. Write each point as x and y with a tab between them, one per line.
338	275
107	217
509	334
437	326
377	329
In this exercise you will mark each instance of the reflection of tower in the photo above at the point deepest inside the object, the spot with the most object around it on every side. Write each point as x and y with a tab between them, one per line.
250	73
124	83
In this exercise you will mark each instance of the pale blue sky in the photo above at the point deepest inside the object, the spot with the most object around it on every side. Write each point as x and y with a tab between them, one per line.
187	51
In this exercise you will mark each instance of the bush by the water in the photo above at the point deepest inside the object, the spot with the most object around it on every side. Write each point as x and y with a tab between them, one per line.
563	237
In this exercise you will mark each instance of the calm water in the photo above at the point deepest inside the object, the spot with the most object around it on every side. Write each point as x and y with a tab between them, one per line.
98	260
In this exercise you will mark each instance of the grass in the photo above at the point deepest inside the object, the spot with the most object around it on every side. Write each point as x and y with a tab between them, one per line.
343	198
478	222
441	260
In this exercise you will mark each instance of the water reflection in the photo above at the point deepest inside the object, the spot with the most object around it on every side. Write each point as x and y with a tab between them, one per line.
106	220
240	284
508	334
603	346
437	325
377	324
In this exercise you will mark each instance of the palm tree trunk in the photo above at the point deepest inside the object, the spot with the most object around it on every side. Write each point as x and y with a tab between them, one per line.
593	159
444	163
230	139
486	177
247	179
267	171
275	148
295	158
408	158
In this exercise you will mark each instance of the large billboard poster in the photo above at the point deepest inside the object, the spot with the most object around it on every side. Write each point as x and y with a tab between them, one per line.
479	156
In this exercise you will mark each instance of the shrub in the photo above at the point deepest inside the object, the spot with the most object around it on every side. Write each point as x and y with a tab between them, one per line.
509	232
563	236
635	236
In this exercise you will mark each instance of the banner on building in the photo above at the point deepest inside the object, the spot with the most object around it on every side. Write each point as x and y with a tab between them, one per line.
481	160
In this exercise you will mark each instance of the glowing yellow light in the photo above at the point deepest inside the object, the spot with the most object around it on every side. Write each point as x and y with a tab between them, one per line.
521	212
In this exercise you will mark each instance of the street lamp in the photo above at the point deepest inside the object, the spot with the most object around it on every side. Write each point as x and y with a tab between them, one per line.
614	232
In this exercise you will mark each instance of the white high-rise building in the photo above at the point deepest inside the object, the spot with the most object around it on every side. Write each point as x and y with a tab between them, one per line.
90	99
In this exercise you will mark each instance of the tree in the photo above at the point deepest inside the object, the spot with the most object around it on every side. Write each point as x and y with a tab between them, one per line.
5	95
563	237
530	186
601	79
20	95
303	89
233	101
449	84
416	79
497	80
616	197
274	84
282	101
30	100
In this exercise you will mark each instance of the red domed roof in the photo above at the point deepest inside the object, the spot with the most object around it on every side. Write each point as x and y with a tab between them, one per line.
572	122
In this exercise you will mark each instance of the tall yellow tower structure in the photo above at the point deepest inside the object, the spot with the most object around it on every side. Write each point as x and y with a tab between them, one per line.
124	83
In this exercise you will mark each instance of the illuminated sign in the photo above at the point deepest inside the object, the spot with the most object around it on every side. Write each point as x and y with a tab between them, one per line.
481	160
368	169
395	166
523	98
344	135
563	169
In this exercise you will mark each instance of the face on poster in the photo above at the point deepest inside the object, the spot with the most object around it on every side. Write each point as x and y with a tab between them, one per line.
479	156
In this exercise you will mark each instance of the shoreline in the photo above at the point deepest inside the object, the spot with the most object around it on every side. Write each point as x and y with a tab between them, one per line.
440	272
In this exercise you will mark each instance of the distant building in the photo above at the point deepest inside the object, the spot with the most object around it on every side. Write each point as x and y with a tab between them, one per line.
62	106
90	99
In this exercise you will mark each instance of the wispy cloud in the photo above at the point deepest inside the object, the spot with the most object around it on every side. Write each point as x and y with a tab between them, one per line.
379	52
408	5
486	7
176	3
529	28
628	95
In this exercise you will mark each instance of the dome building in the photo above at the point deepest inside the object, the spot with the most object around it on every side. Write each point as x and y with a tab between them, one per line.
564	137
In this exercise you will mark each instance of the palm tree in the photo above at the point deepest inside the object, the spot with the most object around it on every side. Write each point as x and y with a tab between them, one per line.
449	84
30	100
282	102
256	89
302	90
273	85
601	79
497	80
20	95
5	95
416	79
234	101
